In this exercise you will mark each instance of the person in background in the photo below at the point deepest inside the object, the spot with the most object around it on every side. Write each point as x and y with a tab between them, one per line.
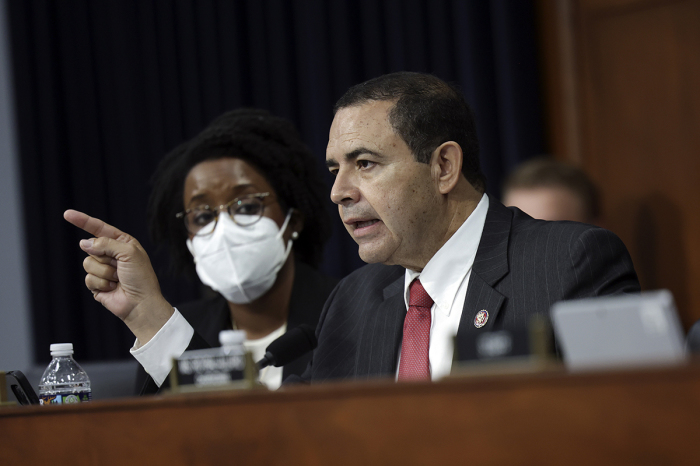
552	190
243	203
548	189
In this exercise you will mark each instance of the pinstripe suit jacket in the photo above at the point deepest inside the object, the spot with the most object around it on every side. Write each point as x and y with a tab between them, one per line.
522	266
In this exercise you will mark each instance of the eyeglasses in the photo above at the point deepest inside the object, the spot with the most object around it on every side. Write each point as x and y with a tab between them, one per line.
244	210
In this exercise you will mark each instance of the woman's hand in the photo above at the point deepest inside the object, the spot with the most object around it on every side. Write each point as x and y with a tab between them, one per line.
120	276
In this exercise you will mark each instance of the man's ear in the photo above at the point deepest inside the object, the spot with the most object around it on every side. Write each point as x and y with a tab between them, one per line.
447	164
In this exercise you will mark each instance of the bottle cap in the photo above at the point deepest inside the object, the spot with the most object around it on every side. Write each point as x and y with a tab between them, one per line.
231	337
61	349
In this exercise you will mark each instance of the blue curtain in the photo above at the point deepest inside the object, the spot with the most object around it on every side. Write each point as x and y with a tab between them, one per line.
105	88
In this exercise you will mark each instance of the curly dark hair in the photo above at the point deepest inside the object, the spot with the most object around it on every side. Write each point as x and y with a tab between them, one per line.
270	144
427	112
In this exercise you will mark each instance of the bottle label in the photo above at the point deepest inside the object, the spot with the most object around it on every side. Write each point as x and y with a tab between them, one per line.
64	399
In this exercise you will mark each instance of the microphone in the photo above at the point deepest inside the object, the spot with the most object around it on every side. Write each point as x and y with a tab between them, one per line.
289	347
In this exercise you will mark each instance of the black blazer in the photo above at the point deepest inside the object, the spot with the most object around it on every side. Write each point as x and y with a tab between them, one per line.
209	316
522	266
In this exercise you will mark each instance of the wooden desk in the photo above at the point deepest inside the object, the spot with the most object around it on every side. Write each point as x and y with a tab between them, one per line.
636	417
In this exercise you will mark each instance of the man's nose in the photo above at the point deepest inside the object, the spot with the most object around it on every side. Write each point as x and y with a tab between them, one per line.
344	191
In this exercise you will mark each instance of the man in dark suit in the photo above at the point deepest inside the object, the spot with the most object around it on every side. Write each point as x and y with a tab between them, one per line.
409	190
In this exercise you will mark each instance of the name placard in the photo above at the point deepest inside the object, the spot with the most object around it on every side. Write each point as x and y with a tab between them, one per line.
213	368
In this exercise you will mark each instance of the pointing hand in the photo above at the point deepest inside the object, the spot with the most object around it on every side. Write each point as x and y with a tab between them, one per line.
120	276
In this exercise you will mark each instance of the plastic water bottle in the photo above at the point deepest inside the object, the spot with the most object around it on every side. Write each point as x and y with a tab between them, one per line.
64	381
231	341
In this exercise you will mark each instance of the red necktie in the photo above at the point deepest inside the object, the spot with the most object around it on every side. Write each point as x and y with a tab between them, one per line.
415	363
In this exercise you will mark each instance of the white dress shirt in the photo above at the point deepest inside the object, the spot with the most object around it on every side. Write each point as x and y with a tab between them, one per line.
445	278
156	356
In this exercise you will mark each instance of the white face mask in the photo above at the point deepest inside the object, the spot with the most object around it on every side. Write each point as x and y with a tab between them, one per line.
239	262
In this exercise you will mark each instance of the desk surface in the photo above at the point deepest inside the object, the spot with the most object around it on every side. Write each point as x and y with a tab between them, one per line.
632	417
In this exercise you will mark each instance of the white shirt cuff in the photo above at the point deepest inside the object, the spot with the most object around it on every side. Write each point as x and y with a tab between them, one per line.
170	342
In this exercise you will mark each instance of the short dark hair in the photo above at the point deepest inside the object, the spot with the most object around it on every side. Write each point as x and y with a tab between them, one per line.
546	172
427	112
271	145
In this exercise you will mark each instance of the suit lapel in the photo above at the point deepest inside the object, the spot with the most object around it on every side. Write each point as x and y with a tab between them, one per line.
381	333
490	265
480	297
383	322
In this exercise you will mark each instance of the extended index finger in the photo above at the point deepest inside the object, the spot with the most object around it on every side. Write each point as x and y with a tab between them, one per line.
92	225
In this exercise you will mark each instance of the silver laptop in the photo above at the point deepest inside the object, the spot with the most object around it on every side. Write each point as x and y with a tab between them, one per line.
619	331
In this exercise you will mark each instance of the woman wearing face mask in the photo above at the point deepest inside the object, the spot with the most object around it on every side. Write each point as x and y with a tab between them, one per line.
243	203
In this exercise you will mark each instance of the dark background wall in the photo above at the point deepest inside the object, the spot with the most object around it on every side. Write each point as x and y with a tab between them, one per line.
103	89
